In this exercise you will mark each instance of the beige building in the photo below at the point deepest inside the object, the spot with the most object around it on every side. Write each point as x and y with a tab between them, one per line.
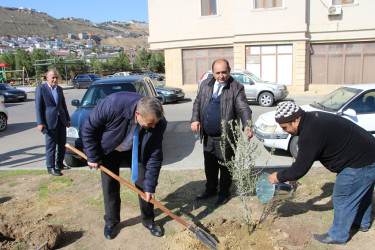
309	45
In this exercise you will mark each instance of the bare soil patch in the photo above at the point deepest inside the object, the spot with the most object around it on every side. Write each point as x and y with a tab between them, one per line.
41	211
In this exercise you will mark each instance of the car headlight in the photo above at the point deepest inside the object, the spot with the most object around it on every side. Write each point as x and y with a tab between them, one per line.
171	92
267	128
72	132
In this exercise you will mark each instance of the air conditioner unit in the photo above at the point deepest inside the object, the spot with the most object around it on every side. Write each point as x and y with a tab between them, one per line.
334	10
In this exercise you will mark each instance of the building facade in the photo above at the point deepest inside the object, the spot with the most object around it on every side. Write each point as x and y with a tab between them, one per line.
309	45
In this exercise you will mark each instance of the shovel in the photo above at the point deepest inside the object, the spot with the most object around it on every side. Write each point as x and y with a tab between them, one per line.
201	235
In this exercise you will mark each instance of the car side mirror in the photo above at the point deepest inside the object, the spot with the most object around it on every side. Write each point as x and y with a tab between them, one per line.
350	112
75	102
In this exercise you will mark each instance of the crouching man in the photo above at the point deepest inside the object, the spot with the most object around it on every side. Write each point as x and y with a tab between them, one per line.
343	148
121	125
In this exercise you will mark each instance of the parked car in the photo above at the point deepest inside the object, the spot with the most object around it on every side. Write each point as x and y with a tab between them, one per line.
84	81
256	89
11	94
126	73
168	94
152	75
354	102
95	93
3	115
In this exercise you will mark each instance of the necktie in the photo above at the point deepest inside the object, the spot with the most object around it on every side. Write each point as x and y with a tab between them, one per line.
217	91
135	154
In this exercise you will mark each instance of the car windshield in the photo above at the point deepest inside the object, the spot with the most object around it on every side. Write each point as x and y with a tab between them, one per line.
337	99
94	76
254	77
97	93
5	86
157	83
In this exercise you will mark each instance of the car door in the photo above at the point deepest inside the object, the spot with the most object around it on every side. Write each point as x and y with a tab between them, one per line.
86	81
364	106
248	84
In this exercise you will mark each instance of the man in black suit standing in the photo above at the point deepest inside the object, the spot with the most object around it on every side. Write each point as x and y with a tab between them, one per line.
52	120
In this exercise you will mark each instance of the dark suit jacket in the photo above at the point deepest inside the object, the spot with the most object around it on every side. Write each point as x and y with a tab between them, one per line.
107	126
47	111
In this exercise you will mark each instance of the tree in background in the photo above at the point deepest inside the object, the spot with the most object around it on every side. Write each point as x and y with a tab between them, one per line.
39	54
120	63
141	60
8	58
160	62
156	62
22	59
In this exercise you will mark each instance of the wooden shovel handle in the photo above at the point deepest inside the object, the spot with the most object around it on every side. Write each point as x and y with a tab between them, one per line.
139	192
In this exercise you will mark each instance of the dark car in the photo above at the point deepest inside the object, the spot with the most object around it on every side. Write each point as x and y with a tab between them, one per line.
97	92
84	81
168	94
11	94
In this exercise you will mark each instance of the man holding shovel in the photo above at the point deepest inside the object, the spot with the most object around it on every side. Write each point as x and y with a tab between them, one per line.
343	148
110	134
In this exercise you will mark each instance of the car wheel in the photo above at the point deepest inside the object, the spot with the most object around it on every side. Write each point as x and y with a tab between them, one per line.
293	146
72	161
266	99
3	122
76	85
162	98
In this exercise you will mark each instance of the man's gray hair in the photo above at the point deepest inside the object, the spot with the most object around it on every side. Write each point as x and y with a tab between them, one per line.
51	70
152	106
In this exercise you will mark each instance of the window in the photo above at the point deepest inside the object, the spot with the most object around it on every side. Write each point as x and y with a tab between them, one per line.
342	63
272	63
364	104
195	62
208	7
266	4
340	2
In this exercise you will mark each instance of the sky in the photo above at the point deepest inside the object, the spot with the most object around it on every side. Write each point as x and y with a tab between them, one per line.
93	10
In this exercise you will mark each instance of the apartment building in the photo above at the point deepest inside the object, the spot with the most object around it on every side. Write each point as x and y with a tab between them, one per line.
309	45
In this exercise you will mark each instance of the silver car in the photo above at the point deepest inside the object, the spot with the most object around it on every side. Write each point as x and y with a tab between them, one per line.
256	89
3	115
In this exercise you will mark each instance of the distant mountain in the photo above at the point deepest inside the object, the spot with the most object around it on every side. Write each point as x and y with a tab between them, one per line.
28	22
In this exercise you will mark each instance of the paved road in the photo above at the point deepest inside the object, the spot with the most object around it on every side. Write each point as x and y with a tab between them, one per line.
22	146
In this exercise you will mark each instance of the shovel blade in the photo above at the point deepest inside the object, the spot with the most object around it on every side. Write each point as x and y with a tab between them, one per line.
205	238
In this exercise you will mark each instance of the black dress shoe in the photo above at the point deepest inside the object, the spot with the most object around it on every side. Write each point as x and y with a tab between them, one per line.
326	239
204	195
221	200
62	167
363	229
359	228
109	232
54	172
154	229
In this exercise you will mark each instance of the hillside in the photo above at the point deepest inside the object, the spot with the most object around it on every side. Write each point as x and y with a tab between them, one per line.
26	22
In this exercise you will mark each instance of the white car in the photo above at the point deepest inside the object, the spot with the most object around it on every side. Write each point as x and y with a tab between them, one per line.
3	115
354	102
